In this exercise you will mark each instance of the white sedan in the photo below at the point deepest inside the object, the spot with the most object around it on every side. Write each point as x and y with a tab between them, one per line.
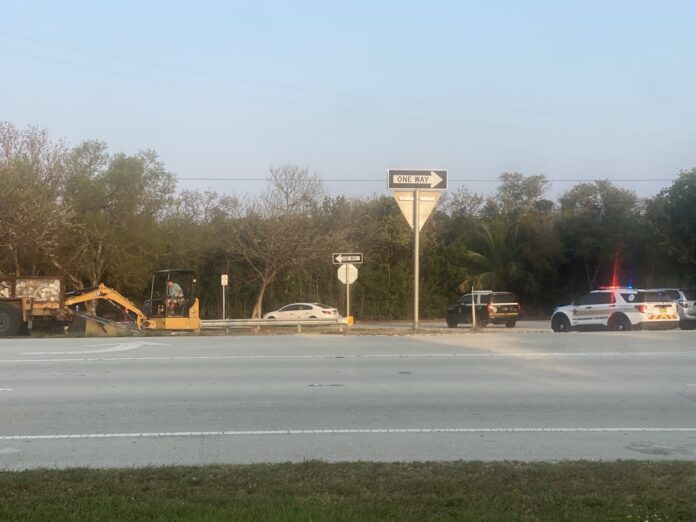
303	311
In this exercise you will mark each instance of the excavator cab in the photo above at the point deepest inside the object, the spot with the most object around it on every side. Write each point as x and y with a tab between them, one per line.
172	293
173	304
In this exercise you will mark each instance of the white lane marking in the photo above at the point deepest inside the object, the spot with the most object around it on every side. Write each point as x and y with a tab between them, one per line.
690	385
9	451
340	431
115	347
354	356
6	389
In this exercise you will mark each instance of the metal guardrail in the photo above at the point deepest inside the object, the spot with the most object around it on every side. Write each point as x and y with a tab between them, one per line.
209	324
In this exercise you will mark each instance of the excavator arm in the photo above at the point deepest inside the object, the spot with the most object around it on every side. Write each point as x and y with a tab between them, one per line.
108	294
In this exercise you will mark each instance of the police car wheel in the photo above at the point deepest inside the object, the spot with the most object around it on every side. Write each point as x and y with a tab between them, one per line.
560	324
619	324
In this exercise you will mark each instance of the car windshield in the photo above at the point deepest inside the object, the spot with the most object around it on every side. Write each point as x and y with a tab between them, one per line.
506	297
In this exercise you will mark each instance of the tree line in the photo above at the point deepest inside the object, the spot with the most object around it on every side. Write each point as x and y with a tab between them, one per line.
92	216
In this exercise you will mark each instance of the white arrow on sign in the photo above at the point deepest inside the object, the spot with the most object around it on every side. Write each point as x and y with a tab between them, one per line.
435	179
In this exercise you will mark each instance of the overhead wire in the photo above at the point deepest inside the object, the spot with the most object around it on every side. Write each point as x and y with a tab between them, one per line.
454	180
283	85
372	114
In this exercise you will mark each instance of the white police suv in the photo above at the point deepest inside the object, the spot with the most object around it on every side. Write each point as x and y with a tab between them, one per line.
617	308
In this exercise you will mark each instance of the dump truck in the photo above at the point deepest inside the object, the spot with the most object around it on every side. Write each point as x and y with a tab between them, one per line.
28	302
32	302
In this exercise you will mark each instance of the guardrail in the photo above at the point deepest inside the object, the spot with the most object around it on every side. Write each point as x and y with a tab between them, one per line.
210	324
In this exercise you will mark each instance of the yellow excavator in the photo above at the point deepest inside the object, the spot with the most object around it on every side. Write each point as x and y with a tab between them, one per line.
172	307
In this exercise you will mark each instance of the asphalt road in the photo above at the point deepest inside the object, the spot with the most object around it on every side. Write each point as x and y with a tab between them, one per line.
499	394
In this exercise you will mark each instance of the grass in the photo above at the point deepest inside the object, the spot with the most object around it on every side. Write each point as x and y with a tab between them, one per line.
626	491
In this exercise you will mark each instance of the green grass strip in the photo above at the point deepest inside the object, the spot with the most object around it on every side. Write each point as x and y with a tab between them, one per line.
626	491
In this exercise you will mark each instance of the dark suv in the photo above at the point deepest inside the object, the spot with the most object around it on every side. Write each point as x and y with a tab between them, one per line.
491	307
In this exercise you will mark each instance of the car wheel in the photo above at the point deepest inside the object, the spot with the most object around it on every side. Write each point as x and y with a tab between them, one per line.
510	324
451	323
560	323
10	322
619	324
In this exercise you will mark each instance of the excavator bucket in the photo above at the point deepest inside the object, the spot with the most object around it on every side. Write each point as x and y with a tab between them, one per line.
86	325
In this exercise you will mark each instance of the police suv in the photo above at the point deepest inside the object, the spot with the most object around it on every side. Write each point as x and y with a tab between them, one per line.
619	309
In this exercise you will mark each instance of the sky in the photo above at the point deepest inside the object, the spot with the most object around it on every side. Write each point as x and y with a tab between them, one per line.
572	90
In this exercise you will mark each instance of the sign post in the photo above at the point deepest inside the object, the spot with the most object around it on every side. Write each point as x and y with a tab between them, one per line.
416	205
223	283
347	274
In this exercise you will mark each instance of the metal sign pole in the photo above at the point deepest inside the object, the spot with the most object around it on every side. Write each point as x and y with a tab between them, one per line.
223	283
473	307
416	255
347	297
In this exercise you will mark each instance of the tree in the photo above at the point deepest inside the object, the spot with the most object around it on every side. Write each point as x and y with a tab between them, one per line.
498	261
118	201
518	194
32	216
281	230
599	225
672	217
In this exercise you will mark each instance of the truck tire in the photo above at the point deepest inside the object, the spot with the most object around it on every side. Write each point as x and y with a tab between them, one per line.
10	321
451	322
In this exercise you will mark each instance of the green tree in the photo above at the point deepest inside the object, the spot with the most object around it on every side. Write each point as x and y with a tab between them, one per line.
118	201
672	217
600	227
32	213
497	262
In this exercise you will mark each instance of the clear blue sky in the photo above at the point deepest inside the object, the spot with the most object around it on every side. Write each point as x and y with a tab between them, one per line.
572	90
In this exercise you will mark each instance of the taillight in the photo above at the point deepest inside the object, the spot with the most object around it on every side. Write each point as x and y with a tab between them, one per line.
327	312
491	309
684	304
641	308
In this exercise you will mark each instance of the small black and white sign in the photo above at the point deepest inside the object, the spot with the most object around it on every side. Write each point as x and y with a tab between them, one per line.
341	259
417	179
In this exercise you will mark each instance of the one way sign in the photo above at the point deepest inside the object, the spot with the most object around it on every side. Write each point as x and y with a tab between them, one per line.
417	179
341	259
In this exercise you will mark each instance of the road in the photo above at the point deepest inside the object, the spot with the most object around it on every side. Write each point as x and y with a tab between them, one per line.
499	394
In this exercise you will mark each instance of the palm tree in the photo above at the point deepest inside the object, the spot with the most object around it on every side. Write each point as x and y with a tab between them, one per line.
499	262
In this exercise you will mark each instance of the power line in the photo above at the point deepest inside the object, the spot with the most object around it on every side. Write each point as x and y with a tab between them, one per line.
282	85
372	114
454	180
